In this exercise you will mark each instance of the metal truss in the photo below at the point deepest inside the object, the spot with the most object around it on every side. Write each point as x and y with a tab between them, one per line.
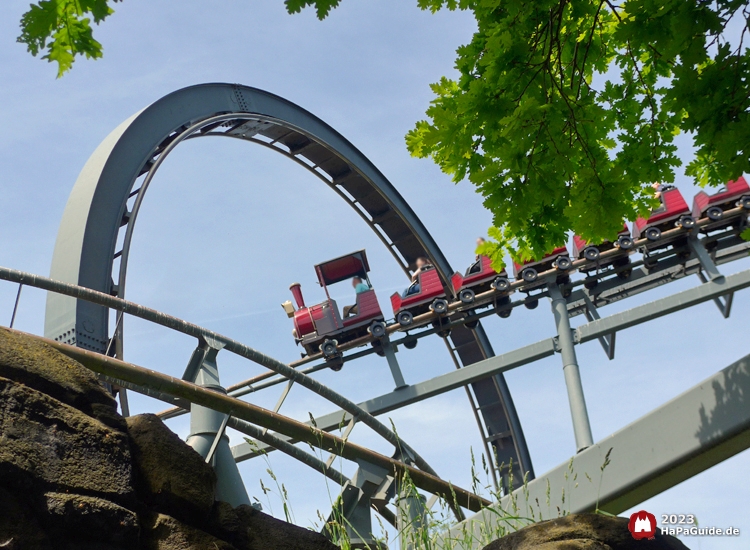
696	430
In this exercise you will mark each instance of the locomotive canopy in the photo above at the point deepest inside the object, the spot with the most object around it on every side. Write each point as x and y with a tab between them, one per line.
342	268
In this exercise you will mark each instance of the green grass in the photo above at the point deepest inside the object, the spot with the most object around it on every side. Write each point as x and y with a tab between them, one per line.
437	528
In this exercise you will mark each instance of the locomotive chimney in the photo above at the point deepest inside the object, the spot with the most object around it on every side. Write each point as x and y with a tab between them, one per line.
296	289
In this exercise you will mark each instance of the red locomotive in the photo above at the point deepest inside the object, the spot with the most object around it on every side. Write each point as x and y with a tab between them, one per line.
320	327
673	212
735	193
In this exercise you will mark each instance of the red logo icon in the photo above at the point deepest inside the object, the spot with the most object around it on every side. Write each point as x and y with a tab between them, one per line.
642	525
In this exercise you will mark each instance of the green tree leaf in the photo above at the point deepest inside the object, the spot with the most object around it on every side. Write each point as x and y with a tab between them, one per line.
62	28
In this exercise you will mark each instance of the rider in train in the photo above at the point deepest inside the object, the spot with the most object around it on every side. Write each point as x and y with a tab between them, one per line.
422	265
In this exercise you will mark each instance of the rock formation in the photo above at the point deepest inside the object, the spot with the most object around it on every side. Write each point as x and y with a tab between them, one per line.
582	532
75	475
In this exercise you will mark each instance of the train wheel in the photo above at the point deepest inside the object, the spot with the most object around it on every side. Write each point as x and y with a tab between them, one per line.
625	243
531	304
625	274
411	343
653	233
329	348
336	364
591	253
686	222
744	202
715	213
529	274
504	313
439	306
466	296
501	284
590	283
404	318
472	324
377	329
563	263
378	348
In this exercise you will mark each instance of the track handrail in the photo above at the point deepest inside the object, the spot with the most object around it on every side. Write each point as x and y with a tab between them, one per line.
175	387
233	346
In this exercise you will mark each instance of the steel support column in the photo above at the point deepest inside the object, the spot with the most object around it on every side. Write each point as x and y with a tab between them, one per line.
353	510
411	518
390	354
581	426
208	437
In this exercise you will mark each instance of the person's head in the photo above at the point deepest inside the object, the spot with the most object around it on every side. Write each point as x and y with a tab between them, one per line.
356	281
480	241
421	262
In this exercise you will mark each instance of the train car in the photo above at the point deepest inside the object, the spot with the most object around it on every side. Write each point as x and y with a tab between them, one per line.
584	250
321	327
529	271
673	212
735	193
481	277
431	296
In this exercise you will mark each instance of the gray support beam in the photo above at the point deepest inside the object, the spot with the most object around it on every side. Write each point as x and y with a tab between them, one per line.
430	388
724	304
528	354
353	509
576	399
208	434
15	307
708	265
687	435
607	342
390	354
664	306
411	518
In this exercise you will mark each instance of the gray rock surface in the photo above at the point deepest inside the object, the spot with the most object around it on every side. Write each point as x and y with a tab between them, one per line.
169	475
48	445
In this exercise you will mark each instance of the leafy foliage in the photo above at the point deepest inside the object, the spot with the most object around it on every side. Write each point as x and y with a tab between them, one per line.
322	7
63	30
565	111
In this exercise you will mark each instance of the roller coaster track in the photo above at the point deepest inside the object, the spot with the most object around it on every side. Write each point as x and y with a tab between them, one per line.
105	201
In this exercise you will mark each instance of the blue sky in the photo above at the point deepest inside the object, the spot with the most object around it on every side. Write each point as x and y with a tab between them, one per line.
228	226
